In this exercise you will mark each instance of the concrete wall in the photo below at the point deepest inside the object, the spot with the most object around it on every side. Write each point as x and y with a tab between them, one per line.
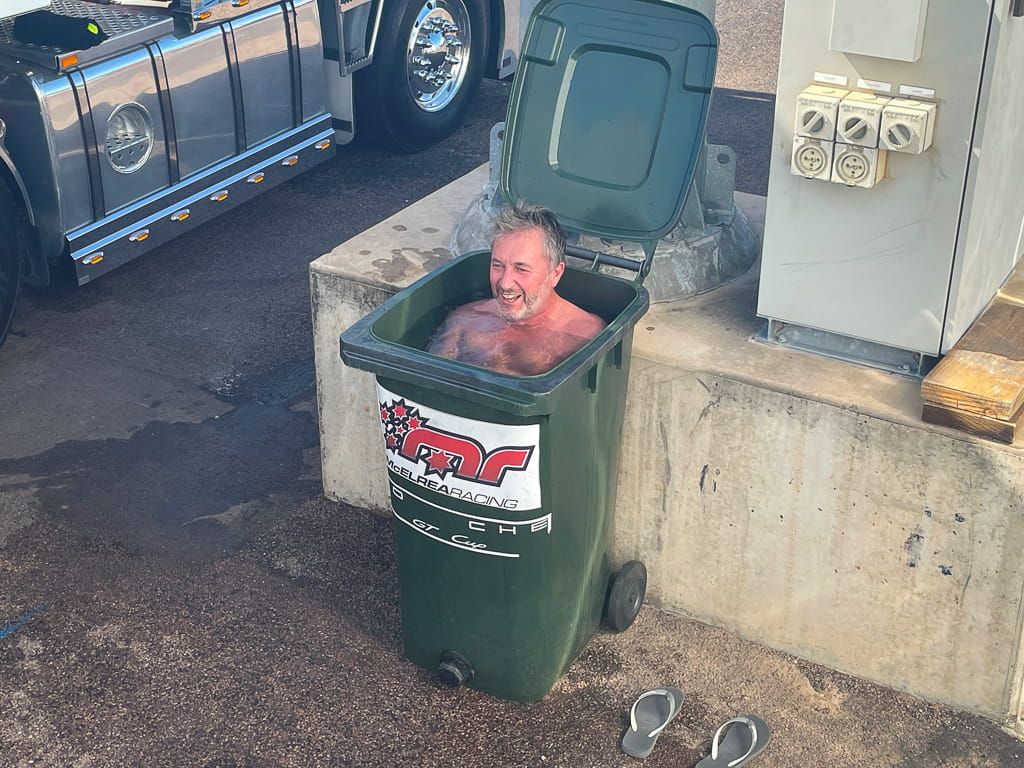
796	500
877	548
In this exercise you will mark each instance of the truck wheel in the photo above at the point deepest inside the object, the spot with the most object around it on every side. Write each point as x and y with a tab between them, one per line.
10	261
429	61
626	596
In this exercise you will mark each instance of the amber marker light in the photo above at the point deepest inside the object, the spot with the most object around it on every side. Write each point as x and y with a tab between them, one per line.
68	61
93	258
180	215
218	196
139	236
323	144
290	160
203	15
256	178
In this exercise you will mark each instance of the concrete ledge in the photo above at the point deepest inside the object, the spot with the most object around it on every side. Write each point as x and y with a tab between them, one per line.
796	500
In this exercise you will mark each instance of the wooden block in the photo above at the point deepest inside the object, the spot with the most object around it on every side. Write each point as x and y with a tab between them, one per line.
984	373
973	423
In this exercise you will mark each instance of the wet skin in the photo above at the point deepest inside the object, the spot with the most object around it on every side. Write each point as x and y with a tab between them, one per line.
526	329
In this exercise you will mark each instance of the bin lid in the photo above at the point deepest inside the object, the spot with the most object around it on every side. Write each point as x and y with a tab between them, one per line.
607	113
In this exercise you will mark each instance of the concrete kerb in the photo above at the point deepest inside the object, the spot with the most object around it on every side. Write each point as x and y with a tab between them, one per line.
795	500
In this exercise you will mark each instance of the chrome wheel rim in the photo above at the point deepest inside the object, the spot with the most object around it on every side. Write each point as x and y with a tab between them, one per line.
438	53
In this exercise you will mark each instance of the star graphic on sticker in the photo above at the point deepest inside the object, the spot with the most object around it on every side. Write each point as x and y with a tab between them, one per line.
414	423
400	410
384	413
392	441
439	462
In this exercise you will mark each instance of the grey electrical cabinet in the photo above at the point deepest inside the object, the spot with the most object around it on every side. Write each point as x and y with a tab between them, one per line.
893	210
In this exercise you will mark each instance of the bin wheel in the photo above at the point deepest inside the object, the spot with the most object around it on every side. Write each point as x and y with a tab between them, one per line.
626	596
454	669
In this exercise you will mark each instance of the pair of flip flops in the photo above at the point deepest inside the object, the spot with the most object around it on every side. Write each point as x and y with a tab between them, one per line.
735	742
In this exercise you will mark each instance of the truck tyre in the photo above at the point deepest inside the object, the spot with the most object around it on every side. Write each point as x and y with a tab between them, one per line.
10	260
429	60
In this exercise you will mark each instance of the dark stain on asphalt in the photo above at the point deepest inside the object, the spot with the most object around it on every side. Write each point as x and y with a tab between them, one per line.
182	491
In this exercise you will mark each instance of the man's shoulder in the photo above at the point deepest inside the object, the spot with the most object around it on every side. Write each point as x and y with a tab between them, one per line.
584	323
482	307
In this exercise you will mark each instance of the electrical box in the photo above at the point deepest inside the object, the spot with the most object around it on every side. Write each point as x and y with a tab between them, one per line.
892	214
887	29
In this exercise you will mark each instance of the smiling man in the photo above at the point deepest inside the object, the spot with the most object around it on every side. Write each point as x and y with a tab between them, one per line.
526	328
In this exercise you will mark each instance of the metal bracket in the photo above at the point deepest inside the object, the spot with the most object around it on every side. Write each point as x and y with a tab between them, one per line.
365	29
845	348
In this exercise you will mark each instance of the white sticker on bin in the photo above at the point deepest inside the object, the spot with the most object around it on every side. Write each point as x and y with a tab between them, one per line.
492	465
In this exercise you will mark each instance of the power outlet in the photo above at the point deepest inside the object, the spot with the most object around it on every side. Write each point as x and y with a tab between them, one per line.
812	159
858	166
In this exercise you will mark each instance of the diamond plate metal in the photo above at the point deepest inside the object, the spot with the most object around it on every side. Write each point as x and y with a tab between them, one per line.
126	27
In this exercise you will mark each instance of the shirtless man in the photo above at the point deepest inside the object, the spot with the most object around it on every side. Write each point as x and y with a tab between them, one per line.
526	328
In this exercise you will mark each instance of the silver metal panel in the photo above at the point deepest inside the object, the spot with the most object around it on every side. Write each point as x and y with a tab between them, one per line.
204	14
29	143
116	239
991	236
127	28
264	67
873	264
127	79
200	91
68	153
311	58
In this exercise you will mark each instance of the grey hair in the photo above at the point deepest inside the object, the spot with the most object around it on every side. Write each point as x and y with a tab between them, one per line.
523	216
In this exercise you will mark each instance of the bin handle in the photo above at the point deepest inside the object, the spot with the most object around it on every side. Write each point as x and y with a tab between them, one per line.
597	258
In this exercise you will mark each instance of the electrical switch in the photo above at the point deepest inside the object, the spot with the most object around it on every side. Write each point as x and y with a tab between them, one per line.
858	166
812	158
816	110
907	126
860	116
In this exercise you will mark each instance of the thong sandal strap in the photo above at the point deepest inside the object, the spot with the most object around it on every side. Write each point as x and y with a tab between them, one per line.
718	737
657	692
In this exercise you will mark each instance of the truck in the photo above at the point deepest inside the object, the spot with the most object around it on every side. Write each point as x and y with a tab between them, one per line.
184	109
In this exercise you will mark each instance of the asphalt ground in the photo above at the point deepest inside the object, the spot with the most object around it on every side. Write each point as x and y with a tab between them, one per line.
175	590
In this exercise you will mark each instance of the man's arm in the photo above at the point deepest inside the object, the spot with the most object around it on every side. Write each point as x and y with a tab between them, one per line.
446	339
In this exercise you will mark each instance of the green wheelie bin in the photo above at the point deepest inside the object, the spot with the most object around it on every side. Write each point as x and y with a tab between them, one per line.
503	487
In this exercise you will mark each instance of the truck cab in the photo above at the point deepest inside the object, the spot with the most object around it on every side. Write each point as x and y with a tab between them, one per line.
184	109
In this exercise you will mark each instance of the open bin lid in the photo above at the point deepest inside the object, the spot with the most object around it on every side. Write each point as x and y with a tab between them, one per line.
607	114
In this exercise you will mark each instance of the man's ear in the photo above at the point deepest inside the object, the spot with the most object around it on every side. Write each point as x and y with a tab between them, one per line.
556	273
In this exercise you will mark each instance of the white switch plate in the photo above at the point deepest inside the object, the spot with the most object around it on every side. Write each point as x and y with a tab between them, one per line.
816	110
860	116
907	126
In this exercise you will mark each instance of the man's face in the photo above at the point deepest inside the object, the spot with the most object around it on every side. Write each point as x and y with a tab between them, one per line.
521	280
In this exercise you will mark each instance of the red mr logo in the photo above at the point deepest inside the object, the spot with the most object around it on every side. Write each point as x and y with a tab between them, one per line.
407	433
